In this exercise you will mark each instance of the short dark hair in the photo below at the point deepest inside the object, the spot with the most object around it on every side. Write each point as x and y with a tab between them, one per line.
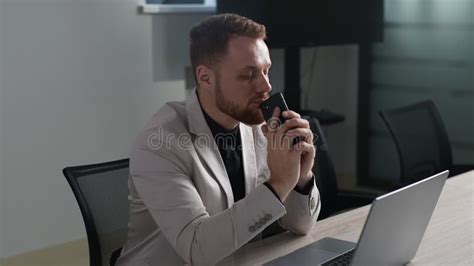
210	38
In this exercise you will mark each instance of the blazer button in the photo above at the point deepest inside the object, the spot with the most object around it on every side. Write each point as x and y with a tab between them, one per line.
263	221
258	224
268	217
252	229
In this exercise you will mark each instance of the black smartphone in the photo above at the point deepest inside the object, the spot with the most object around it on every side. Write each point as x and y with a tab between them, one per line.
268	106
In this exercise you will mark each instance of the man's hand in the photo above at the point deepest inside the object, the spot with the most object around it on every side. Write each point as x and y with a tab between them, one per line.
289	165
306	146
282	159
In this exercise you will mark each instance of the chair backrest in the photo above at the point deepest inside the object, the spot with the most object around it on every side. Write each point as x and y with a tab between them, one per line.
101	190
326	179
421	140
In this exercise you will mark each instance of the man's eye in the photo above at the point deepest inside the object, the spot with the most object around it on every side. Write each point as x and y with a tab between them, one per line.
247	76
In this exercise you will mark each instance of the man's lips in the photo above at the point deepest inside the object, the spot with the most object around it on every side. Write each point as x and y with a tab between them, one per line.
259	100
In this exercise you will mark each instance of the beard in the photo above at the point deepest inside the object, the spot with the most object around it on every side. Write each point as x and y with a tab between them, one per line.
240	112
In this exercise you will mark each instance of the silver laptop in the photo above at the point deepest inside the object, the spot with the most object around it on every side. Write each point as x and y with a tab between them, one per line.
391	235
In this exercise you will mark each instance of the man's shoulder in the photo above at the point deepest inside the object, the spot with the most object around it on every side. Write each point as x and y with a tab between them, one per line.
165	138
171	117
169	120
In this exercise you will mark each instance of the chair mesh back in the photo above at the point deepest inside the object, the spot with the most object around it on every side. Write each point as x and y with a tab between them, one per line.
103	193
421	140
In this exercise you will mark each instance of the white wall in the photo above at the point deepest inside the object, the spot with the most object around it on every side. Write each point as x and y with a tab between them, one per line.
334	77
80	78
1	130
335	87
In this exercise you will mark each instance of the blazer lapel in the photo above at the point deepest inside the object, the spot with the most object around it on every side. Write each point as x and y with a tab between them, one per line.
248	154
206	146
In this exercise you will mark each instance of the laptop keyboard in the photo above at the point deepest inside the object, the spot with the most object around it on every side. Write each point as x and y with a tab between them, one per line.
343	259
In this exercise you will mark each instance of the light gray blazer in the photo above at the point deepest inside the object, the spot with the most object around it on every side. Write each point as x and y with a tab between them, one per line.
182	209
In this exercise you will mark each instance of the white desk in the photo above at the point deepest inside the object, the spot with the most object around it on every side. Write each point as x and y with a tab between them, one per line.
449	238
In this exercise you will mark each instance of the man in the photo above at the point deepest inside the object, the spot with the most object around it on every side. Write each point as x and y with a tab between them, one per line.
205	176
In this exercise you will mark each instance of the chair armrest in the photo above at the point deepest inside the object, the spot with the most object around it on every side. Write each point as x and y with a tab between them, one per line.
363	195
354	199
346	201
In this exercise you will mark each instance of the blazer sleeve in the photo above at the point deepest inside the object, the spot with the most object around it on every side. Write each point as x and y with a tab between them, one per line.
166	187
302	211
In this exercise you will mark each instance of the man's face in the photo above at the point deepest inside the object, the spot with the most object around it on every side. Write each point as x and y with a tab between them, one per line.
242	80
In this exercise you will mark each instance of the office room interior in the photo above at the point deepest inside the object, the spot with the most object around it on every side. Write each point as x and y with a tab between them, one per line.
80	78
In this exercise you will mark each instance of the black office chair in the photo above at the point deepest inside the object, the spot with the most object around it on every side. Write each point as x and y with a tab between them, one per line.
101	190
421	141
333	199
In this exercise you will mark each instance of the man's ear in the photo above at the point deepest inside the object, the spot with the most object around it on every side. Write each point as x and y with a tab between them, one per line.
205	76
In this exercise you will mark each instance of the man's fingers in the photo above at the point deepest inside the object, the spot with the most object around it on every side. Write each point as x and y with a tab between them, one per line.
290	114
274	122
276	112
303	146
294	123
304	133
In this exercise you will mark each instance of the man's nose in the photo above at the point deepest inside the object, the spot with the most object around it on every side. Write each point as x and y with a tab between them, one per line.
264	85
